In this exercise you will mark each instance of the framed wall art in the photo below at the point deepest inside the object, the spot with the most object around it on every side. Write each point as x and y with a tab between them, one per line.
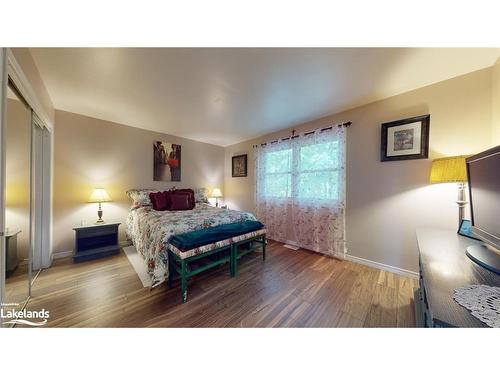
405	139
166	161
239	166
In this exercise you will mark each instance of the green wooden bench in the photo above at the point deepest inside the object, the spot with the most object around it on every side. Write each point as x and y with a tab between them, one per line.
187	264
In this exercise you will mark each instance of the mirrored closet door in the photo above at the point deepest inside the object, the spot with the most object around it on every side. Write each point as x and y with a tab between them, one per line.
18	200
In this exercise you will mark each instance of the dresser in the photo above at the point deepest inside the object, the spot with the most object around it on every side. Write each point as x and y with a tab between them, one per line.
443	268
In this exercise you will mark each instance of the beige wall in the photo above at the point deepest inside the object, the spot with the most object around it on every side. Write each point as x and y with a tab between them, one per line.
387	201
27	64
496	102
93	153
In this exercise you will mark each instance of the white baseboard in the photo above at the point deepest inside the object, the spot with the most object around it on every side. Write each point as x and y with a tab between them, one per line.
382	266
367	262
61	254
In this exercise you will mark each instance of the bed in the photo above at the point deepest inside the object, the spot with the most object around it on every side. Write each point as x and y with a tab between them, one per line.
150	230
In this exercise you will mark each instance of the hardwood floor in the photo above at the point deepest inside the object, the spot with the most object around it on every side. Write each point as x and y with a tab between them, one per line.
290	289
16	285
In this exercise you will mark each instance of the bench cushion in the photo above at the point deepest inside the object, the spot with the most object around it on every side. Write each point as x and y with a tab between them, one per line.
187	253
190	240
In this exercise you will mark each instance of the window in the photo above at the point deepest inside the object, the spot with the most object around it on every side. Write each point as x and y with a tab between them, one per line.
305	172
318	171
300	189
278	174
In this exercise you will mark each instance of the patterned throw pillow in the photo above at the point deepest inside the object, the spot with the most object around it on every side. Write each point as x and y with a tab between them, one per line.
201	195
140	197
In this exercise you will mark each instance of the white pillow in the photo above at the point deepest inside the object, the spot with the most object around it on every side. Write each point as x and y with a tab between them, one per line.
140	197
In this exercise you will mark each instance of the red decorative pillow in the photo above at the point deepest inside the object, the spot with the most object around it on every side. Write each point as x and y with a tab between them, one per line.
179	202
168	196
189	192
159	200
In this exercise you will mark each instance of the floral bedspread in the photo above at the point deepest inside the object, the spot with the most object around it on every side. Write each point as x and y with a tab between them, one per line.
150	231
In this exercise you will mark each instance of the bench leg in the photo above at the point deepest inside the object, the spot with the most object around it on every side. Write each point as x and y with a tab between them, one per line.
184	280
171	269
264	247
233	261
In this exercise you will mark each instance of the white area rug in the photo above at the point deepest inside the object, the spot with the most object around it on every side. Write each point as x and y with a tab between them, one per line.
138	264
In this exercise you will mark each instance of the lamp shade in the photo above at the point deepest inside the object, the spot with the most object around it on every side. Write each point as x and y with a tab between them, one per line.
216	193
99	195
450	169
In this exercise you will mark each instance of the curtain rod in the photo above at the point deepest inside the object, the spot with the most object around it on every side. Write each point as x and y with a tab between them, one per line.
293	136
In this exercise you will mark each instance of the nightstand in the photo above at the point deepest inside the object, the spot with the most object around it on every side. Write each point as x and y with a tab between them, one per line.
95	241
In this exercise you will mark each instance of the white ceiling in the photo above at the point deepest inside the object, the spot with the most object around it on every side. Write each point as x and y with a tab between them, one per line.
224	96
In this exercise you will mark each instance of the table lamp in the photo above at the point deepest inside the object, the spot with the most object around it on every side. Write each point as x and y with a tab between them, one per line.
452	169
216	193
99	195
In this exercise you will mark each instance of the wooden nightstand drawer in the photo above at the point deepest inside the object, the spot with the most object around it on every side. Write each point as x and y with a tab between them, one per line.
99	231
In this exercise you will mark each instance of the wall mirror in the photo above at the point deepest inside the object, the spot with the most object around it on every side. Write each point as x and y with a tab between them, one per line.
18	248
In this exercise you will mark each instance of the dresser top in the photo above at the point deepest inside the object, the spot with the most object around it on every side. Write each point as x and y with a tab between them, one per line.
445	267
95	225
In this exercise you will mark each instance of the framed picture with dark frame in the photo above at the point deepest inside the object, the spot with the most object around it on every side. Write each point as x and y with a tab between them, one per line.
166	161
239	166
405	139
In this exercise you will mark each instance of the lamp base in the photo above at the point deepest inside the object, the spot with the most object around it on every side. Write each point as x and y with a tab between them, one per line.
461	202
99	215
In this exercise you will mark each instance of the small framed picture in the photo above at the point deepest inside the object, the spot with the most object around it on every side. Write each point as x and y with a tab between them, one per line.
239	166
466	229
405	139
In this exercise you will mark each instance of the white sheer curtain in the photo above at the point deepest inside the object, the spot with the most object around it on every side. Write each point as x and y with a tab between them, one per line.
300	190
